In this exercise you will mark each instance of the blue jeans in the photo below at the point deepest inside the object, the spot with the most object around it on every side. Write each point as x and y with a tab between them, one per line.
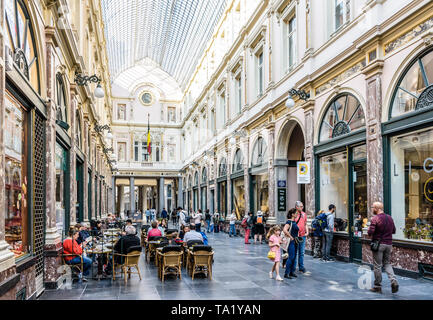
208	225
291	261
197	227
232	230
87	264
300	253
327	244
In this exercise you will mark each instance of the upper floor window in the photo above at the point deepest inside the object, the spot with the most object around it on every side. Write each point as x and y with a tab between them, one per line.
61	113
19	38
339	14
212	121
414	89
204	175
78	130
196	179
259	153
291	41
238	93
121	111
344	115
222	108
238	161
222	170
260	73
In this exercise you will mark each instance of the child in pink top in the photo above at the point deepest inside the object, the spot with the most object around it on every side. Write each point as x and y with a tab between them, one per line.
274	243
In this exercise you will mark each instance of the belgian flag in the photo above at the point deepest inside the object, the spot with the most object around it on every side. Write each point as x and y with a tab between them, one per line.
149	146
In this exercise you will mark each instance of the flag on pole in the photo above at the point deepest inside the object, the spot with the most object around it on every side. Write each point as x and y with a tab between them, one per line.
149	147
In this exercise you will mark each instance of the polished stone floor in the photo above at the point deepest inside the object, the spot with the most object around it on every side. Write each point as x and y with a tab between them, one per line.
241	272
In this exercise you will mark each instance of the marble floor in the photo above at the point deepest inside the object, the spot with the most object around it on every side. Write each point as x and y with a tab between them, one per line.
241	272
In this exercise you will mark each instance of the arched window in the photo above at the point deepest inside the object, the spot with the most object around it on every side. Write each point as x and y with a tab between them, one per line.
189	182
21	41
78	130
62	113
259	153
222	170
343	115
196	179
204	175
415	87
238	161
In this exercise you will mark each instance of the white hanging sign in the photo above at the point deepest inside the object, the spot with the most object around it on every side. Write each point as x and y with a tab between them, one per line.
303	172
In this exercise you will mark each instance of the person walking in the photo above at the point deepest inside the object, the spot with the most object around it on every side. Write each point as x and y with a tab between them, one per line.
301	222
259	227
197	216
207	219
147	213
381	230
232	220
328	234
182	217
248	227
164	213
291	231
216	221
174	217
274	244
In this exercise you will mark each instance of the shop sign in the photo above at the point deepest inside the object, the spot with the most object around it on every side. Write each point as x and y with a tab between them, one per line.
281	199
281	183
303	172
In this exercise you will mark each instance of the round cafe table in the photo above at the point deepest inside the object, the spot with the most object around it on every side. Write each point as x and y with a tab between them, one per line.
100	251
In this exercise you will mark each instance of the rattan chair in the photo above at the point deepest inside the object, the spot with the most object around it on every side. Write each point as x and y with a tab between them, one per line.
201	259
130	261
171	262
78	267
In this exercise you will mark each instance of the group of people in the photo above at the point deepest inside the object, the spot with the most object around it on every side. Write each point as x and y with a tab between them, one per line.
288	245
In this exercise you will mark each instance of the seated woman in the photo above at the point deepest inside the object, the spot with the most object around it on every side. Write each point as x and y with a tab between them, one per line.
154	232
70	246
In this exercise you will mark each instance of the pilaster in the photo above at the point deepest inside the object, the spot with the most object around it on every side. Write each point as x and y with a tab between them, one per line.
271	171
309	157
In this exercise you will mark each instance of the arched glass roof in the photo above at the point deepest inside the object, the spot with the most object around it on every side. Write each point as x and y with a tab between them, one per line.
171	33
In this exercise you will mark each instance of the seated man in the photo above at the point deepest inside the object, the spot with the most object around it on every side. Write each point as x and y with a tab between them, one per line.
123	245
70	246
128	223
154	232
83	233
192	234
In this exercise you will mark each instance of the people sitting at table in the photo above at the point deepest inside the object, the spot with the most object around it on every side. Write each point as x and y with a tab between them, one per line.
83	232
123	245
175	239
183	229
161	228
97	229
128	223
71	247
192	234
154	231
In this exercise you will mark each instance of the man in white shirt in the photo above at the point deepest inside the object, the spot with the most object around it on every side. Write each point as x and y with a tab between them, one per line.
181	217
232	219
197	219
192	235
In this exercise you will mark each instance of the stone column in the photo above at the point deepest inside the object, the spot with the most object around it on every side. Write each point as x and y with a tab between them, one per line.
113	195
86	176
309	157
72	156
7	259
245	142
373	78
53	240
132	195
229	183
215	176
180	193
92	176
121	199
161	194
199	191
271	171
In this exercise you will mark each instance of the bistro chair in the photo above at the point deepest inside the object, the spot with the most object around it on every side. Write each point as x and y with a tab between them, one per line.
171	261
201	260
128	261
78	267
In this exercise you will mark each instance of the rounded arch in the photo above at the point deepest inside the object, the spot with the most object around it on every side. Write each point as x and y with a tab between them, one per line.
336	94
196	180
79	129
222	167
284	135
405	62
238	161
259	154
204	175
189	181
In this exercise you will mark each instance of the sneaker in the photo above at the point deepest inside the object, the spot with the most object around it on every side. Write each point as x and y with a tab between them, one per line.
287	276
279	278
302	270
84	279
330	259
271	275
293	275
376	289
394	287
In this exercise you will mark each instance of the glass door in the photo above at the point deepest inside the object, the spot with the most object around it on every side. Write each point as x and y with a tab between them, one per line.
358	201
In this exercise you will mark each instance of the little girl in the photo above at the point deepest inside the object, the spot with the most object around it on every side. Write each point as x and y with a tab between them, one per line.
274	243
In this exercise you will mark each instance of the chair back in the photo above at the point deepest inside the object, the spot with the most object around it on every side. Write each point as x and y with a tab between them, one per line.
133	248
170	231
172	258
155	238
171	248
164	243
199	247
202	258
132	258
192	243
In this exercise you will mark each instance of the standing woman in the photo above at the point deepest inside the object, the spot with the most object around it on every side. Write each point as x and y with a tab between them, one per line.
291	231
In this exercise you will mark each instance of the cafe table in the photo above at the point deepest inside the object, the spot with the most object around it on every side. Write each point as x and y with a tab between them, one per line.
100	250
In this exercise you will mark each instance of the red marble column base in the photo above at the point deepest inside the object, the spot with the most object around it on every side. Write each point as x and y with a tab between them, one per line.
8	282
53	260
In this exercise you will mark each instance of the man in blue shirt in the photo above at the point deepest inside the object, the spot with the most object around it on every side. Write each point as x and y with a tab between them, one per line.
164	213
147	216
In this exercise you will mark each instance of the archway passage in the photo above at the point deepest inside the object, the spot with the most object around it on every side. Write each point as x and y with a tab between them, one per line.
295	153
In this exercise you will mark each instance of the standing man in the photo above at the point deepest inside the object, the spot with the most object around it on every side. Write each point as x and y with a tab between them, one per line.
181	218
382	228
232	219
164	213
197	220
301	222
147	212
328	234
207	219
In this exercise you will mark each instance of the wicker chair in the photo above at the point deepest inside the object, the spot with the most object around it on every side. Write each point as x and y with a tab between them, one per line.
201	257
171	261
77	267
130	261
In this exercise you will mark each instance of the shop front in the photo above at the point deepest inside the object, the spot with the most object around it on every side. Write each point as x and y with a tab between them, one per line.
238	185
195	192
203	190
408	163
341	172
222	188
259	178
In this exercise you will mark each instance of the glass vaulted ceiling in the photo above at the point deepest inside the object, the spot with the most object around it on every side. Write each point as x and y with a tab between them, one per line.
171	33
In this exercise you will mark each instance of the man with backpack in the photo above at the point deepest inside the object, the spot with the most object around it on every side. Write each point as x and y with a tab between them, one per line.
207	217
328	234
318	225
259	227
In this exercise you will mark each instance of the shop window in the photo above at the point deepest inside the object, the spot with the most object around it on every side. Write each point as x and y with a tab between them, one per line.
344	115
204	176
408	95
333	187
16	187
238	161
189	182
261	193
412	185
239	197
222	170
21	41
259	153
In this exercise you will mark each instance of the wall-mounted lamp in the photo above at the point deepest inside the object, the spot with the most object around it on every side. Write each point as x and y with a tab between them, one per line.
83	80
236	134
290	103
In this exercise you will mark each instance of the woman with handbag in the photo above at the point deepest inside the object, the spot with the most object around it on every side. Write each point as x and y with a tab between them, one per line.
291	231
274	254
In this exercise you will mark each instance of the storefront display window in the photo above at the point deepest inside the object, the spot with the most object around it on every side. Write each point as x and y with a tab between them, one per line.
334	187
261	193
412	185
239	197
16	188
61	175
417	78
